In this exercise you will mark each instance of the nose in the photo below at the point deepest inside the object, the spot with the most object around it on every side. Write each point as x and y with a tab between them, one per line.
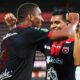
42	19
52	27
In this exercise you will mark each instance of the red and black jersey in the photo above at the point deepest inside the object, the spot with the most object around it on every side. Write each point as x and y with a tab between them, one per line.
18	50
59	58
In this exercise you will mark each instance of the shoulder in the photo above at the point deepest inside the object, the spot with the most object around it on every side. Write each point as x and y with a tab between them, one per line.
40	29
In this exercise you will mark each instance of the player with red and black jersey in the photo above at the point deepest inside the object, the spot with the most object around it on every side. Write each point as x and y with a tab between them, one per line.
60	60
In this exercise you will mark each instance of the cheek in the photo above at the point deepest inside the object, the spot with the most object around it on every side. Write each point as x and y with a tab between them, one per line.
38	20
63	26
51	26
60	25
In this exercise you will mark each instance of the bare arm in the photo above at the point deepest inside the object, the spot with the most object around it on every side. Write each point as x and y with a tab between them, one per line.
76	53
64	33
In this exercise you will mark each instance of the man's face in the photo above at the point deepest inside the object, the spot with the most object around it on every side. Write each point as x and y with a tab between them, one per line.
37	17
57	22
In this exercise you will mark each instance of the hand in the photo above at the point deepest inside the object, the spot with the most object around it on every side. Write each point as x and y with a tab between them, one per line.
72	20
10	19
72	17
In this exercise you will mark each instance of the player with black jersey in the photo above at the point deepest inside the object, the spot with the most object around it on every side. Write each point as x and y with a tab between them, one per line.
20	44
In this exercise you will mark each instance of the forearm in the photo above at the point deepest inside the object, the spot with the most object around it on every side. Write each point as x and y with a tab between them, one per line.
64	33
57	35
76	52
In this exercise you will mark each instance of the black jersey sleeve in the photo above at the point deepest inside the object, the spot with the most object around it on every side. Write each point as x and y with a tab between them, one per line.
40	35
36	35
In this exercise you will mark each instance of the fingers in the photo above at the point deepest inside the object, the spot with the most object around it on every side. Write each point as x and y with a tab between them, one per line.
10	19
72	17
73	20
9	16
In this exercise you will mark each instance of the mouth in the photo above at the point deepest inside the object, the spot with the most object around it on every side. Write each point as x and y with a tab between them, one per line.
56	29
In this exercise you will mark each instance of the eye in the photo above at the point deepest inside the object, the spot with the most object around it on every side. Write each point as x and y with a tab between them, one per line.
57	22
51	22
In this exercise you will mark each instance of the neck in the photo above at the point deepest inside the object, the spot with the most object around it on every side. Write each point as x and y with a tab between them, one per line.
26	23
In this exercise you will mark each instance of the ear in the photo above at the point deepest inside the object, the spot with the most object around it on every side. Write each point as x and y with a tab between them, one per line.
31	17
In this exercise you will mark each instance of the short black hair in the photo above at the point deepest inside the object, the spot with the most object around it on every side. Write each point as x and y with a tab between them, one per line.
25	9
59	11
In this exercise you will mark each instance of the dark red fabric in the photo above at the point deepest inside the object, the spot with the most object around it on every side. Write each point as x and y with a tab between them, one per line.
22	26
3	58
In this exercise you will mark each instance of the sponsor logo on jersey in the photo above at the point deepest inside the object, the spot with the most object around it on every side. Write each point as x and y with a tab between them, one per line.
54	60
9	34
6	74
51	74
65	50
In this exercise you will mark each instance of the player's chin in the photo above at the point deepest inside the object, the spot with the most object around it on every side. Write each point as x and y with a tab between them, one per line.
40	25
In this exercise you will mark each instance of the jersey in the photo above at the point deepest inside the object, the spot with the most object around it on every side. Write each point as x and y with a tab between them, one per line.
18	52
59	58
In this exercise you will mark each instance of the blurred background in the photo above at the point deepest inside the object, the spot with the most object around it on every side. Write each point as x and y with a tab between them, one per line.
46	6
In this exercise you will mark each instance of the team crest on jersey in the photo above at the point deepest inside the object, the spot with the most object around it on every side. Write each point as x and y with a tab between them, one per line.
65	50
5	74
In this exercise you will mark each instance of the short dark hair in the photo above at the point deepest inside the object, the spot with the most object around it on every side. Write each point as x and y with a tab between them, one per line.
59	11
25	9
